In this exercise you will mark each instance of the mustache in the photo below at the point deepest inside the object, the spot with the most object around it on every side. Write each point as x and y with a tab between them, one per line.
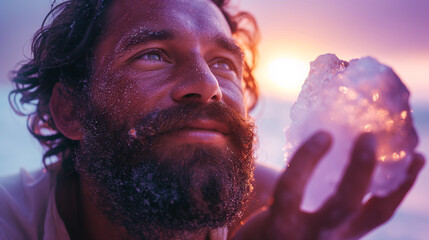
179	117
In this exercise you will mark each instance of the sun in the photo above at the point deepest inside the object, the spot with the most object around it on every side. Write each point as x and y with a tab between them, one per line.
286	75
287	72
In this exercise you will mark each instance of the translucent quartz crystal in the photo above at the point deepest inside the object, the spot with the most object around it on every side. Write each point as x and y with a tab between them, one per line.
346	99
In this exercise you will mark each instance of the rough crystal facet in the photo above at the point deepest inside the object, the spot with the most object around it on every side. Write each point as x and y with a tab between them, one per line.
346	99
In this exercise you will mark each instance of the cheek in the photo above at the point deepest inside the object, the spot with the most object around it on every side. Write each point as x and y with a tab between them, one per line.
233	96
127	96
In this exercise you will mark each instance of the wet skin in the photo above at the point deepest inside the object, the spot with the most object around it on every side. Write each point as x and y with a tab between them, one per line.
156	54
152	55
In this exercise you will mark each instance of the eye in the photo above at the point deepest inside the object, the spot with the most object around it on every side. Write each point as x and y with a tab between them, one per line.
224	68
223	65
152	56
150	59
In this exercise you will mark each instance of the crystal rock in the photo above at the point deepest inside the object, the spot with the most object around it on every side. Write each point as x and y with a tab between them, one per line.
346	99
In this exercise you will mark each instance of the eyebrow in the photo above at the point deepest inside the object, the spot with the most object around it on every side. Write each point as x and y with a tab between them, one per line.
143	36
229	45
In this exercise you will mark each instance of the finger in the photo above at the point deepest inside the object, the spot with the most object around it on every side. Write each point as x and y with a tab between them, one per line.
355	181
290	187
380	209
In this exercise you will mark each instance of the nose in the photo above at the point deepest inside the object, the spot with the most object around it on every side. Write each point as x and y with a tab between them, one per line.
197	84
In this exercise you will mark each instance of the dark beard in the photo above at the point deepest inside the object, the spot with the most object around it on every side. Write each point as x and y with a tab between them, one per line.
155	195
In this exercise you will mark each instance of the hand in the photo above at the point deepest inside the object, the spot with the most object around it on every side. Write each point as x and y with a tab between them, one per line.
343	216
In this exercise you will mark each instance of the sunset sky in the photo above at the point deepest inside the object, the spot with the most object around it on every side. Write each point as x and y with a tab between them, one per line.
396	32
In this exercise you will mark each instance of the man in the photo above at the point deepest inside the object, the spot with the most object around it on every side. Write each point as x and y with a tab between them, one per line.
144	103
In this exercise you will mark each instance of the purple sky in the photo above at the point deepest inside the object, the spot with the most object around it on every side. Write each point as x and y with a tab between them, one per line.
396	32
391	27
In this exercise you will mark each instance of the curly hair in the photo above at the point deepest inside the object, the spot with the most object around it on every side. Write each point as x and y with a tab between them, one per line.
62	52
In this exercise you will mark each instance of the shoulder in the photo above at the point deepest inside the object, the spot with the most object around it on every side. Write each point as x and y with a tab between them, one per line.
24	199
264	184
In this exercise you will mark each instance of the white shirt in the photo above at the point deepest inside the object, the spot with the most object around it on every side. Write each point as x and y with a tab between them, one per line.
28	209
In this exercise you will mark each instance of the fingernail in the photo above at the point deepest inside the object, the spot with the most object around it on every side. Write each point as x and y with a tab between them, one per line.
369	144
322	139
369	141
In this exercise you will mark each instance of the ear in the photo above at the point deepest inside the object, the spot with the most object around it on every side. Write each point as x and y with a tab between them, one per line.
64	113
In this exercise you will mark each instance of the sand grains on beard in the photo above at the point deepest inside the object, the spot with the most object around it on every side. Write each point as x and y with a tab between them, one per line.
182	191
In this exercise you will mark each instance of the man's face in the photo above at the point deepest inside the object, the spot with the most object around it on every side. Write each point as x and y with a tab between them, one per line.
166	141
156	54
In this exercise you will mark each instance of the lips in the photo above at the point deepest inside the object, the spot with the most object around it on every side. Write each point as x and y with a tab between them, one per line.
201	131
207	125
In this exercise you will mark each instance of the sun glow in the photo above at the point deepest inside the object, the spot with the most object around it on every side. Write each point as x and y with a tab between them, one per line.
285	76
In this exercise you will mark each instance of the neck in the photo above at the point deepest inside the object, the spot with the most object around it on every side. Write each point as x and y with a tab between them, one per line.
83	220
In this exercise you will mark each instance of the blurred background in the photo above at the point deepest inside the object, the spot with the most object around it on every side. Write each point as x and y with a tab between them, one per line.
294	32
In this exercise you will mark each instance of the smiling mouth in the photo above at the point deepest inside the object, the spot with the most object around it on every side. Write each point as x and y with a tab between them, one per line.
200	131
208	125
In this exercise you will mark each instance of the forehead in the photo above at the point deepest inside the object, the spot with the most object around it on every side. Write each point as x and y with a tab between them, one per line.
187	17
